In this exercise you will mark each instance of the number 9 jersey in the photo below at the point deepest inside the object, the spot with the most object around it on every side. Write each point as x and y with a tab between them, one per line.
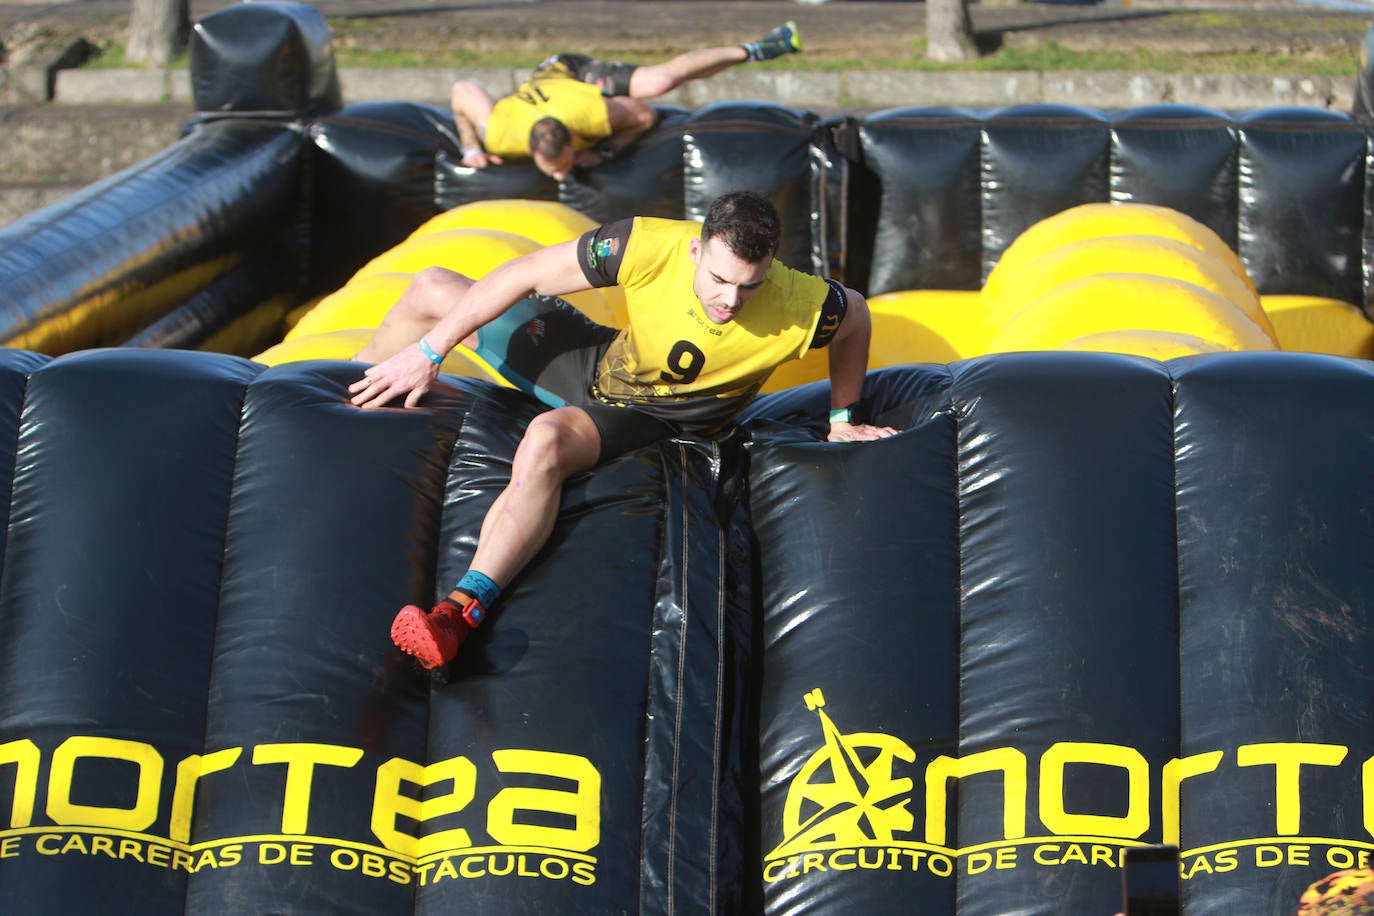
673	362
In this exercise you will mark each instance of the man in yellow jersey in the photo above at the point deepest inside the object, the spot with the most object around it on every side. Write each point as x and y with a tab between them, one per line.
711	314
575	110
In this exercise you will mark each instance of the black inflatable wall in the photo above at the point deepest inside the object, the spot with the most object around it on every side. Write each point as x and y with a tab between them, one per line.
97	268
1081	602
1284	187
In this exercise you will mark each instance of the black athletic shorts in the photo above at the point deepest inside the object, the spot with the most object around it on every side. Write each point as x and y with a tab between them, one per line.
610	76
549	349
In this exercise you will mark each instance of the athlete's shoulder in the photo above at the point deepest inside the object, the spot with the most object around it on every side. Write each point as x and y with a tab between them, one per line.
666	228
655	243
797	285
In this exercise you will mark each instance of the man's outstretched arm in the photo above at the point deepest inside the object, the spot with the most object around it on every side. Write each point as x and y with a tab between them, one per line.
411	370
471	106
848	366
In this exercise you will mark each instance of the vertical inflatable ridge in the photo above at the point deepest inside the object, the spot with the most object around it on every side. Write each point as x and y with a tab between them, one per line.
694	716
1180	157
545	709
1295	164
782	167
125	463
1038	160
1069	678
16	367
1274	533
858	563
331	529
916	227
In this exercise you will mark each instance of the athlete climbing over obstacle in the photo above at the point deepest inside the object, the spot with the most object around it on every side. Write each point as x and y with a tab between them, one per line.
577	111
711	314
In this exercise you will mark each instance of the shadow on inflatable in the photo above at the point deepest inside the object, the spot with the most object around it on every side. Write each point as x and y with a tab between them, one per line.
1085	600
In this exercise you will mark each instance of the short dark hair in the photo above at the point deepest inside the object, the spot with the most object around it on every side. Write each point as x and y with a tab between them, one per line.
748	224
549	137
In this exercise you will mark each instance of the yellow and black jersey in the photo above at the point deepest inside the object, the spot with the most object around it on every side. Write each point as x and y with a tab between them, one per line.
671	360
580	106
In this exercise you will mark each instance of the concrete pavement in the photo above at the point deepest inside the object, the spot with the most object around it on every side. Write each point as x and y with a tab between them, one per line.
823	92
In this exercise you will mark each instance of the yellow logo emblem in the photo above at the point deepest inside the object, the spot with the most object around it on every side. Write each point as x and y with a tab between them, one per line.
845	795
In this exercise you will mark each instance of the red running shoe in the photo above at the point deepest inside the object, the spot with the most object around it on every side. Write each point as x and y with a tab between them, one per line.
433	638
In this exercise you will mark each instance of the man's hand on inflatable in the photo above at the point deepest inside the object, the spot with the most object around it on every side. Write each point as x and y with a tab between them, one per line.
409	372
858	432
479	159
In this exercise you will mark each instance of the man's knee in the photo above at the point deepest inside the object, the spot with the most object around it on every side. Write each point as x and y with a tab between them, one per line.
630	116
652	81
555	443
431	293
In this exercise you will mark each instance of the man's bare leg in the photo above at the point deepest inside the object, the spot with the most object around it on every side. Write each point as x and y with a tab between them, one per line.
557	444
431	295
653	80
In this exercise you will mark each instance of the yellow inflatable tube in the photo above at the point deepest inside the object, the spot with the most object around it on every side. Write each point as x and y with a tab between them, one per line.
361	303
1314	324
1114	302
1139	254
1160	345
1097	220
473	252
344	345
1125	278
914	326
542	221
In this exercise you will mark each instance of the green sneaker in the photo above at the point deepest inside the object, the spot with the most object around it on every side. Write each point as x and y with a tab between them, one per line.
785	39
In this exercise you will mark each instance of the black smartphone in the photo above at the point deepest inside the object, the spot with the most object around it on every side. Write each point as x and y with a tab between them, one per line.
1150	881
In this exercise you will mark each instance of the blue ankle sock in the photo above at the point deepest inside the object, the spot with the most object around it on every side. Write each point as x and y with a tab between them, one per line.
480	587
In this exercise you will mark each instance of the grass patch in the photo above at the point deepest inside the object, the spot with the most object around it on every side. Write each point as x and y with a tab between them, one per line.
112	57
1213	19
1048	56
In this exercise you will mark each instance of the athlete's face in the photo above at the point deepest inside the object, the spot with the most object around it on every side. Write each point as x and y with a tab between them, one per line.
557	167
724	281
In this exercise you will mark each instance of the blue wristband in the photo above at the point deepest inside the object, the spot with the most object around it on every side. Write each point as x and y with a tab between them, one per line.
429	352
